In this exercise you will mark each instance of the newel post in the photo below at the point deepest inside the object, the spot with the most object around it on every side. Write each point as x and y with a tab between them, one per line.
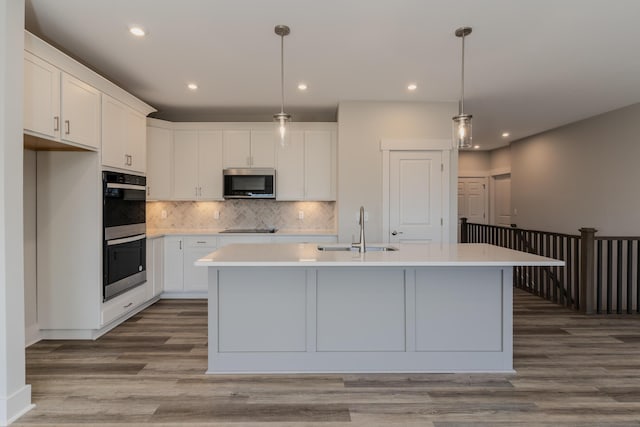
464	236
587	282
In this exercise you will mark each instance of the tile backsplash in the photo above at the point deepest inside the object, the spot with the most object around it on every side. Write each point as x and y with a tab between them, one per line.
242	214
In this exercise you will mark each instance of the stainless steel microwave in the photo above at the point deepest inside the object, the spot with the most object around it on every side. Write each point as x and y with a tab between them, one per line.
249	183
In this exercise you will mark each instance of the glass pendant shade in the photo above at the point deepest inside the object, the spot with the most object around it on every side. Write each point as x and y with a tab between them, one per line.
282	119
282	123
462	122
462	131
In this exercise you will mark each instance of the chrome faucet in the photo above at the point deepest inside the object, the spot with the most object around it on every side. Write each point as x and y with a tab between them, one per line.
361	245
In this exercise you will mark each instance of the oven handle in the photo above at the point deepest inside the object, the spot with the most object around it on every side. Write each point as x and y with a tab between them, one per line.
126	186
126	240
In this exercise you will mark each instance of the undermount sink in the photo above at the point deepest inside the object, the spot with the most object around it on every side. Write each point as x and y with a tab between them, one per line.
342	248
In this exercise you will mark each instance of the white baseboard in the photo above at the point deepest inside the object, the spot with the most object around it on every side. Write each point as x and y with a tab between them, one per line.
92	334
16	405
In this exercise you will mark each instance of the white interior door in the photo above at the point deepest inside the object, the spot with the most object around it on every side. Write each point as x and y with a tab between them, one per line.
415	196
502	200
472	199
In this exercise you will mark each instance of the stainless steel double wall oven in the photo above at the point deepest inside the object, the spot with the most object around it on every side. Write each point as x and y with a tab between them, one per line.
124	219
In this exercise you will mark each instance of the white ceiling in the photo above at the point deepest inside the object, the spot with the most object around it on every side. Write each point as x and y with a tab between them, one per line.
531	65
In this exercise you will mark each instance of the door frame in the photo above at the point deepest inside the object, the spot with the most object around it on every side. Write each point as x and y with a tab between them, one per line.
487	209
450	171
494	173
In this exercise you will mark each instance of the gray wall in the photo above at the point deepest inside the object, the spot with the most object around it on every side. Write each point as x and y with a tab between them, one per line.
586	174
361	126
474	163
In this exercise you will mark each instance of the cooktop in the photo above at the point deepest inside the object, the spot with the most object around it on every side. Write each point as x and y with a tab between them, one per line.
250	230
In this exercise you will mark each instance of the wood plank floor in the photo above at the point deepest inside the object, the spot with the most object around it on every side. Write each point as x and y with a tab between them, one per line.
572	370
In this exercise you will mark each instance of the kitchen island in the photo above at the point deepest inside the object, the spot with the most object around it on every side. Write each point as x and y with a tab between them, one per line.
283	308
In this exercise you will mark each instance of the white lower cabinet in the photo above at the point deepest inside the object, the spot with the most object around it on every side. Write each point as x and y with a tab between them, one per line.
155	267
124	303
195	278
173	261
182	279
180	275
311	238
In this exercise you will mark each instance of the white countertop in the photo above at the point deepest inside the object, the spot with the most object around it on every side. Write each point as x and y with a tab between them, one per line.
160	232
308	255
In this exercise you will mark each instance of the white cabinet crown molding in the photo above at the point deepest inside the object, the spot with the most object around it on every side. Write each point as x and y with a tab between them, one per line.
48	53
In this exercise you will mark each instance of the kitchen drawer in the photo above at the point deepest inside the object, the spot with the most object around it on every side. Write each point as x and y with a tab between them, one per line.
312	238
201	242
228	240
122	304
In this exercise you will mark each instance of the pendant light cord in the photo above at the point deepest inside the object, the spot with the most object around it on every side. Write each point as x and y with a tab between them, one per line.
282	72
462	80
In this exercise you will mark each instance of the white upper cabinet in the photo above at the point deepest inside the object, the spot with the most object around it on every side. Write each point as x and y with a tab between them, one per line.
80	112
159	163
63	102
136	140
124	136
263	153
41	97
197	165
290	168
306	166
210	165
249	148
58	106
236	148
320	165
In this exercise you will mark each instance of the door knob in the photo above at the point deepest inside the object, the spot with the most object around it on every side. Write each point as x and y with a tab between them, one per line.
394	232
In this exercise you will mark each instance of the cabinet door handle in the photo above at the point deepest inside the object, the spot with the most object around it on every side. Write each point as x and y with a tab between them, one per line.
180	241
128	305
126	159
67	127
148	190
201	242
56	126
394	232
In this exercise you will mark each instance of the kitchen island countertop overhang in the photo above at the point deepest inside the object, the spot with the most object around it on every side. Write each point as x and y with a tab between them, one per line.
291	308
417	255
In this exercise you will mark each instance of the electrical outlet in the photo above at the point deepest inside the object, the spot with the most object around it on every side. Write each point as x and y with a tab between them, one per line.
163	214
300	214
216	214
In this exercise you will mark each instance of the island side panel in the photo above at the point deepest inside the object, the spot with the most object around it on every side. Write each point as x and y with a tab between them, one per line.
459	309
281	280
262	310
360	309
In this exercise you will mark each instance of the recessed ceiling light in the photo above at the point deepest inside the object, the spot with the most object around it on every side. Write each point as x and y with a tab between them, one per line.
302	86
475	147
192	86
137	31
505	134
412	86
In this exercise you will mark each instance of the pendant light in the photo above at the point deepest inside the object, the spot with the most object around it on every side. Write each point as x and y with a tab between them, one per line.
462	122
282	118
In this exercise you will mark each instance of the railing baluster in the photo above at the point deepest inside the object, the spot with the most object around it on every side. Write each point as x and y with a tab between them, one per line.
599	276
629	266
619	277
637	276
576	270
569	271
561	282
609	283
